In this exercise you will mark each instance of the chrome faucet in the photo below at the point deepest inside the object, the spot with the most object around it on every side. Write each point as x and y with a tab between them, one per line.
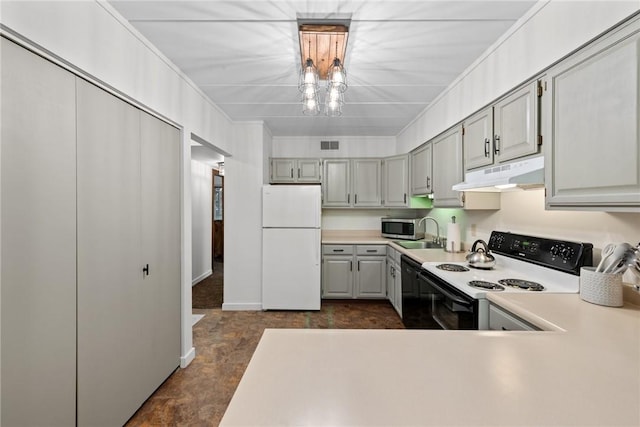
437	238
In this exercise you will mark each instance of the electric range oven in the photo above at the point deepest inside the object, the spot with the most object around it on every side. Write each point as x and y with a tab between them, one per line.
453	295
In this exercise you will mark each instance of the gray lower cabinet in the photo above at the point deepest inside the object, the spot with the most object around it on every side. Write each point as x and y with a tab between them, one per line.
503	320
90	249
38	249
354	271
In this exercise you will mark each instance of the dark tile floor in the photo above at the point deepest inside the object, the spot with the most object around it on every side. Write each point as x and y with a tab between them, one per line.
199	394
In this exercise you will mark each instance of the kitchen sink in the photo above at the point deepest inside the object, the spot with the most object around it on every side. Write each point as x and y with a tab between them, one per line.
409	244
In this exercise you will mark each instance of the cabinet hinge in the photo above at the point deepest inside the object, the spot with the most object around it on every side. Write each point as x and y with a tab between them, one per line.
539	140
462	130
463	197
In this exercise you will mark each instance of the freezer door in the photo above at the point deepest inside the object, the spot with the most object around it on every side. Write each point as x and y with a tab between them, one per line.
291	206
291	269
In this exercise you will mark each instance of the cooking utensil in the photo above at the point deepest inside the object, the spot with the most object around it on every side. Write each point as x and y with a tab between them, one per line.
606	253
630	260
617	257
481	257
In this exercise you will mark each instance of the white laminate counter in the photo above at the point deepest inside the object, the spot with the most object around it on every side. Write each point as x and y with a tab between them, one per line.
586	372
374	238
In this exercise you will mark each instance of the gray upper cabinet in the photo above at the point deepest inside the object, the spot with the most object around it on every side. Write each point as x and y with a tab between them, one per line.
352	183
336	188
447	167
395	181
366	182
421	178
516	123
478	151
285	170
505	131
591	119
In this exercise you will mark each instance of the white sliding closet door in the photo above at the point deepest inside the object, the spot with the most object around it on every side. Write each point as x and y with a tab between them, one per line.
160	147
38	244
110	273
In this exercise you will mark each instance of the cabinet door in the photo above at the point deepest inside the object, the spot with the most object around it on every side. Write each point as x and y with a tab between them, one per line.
366	182
515	124
398	289
592	110
336	185
391	294
160	149
421	171
282	170
478	150
109	265
337	277
396	181
371	277
38	246
309	170
447	168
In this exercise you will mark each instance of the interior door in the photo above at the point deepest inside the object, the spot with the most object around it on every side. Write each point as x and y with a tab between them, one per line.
160	210
38	240
109	265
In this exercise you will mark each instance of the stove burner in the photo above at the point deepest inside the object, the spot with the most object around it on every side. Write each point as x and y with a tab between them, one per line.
452	267
489	286
525	285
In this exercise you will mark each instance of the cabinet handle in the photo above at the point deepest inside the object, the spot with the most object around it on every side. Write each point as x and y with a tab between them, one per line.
393	272
348	198
298	172
496	144
358	265
428	182
355	199
371	251
486	147
405	197
338	250
350	265
145	270
291	172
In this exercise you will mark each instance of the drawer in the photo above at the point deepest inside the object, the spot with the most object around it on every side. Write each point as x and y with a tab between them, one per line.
371	250
500	320
337	249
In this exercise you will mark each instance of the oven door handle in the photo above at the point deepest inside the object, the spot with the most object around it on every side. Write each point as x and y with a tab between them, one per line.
447	294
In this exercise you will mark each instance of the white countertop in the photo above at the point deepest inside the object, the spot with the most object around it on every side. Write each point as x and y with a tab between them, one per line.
367	237
585	372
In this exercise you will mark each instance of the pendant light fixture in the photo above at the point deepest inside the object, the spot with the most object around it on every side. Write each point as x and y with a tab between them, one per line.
337	76
316	40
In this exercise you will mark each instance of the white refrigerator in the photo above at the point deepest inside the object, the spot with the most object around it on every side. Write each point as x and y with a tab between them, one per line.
291	247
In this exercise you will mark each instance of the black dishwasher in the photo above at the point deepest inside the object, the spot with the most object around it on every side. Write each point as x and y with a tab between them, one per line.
416	310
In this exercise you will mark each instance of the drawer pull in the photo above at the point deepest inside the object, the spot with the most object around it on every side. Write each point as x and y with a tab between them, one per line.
371	251
338	250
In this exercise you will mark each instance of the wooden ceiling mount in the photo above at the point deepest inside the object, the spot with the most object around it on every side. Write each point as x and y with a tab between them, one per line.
318	42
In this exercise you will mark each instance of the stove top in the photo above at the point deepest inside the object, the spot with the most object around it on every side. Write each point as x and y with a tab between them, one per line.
524	264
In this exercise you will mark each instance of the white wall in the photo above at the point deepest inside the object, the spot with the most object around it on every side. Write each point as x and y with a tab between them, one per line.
244	177
201	217
551	31
92	39
350	146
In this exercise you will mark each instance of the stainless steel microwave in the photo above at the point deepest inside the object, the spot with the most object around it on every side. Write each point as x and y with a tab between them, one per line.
402	228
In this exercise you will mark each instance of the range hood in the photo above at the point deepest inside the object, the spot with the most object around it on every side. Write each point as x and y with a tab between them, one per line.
523	174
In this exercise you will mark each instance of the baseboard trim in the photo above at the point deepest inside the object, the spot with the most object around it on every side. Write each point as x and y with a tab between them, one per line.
188	358
231	306
201	277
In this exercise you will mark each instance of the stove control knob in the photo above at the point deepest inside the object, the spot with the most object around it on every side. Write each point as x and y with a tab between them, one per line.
554	250
566	253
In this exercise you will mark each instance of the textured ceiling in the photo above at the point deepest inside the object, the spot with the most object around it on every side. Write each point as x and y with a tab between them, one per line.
245	54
